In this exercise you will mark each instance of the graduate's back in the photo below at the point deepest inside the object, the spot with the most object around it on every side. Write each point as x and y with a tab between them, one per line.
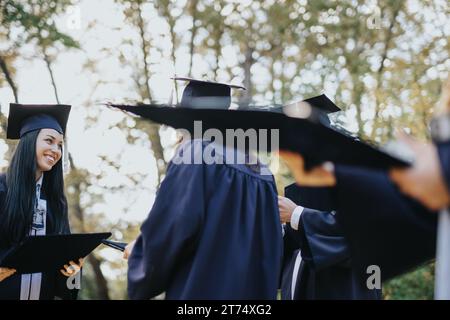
213	231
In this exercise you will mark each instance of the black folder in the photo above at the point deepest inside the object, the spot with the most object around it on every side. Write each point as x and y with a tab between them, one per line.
115	245
50	252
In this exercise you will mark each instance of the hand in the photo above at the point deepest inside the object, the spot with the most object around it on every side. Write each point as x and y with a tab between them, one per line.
128	249
424	180
5	273
73	268
320	176
286	207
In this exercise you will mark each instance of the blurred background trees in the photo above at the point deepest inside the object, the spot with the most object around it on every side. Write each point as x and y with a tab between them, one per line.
381	61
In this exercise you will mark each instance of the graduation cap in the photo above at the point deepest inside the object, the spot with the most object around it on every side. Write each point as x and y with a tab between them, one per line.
305	134
317	106
50	252
322	103
24	118
202	94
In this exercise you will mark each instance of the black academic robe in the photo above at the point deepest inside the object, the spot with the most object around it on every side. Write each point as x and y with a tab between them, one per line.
444	157
53	284
325	271
382	226
212	233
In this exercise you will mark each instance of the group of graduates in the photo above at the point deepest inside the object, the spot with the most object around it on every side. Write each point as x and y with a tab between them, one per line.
220	230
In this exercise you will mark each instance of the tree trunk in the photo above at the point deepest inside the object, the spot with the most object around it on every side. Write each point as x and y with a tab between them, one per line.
193	12
3	120
173	37
358	89
102	285
358	85
248	84
78	212
152	129
217	50
144	47
50	71
387	44
9	79
9	143
272	78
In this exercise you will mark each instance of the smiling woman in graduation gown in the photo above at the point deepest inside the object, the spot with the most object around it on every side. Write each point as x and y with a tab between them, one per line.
32	200
212	233
53	284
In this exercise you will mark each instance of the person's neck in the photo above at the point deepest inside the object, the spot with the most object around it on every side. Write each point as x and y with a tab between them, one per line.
38	175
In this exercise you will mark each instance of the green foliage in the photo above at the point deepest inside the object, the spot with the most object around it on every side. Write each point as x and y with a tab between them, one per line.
36	19
416	285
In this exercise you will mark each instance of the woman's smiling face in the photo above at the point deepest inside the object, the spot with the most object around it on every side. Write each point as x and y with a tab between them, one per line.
48	149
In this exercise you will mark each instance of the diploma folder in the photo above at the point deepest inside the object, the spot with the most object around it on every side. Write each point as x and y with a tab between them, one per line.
115	245
50	252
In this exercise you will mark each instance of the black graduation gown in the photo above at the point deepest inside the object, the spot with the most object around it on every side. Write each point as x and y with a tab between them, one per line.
212	233
325	271
444	157
383	227
53	284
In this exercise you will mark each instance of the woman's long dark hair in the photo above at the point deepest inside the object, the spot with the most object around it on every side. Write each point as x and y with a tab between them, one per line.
17	217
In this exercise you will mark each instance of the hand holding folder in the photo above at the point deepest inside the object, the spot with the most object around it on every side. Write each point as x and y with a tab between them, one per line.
50	252
72	268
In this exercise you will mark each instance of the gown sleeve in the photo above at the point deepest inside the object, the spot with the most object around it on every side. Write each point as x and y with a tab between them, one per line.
169	233
325	244
319	235
383	227
444	157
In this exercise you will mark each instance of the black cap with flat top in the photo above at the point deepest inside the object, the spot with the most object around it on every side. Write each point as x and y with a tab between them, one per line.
323	103
301	132
203	94
24	118
50	252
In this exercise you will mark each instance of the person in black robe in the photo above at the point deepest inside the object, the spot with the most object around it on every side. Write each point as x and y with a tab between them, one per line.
399	230
317	260
384	228
32	200
428	179
213	231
